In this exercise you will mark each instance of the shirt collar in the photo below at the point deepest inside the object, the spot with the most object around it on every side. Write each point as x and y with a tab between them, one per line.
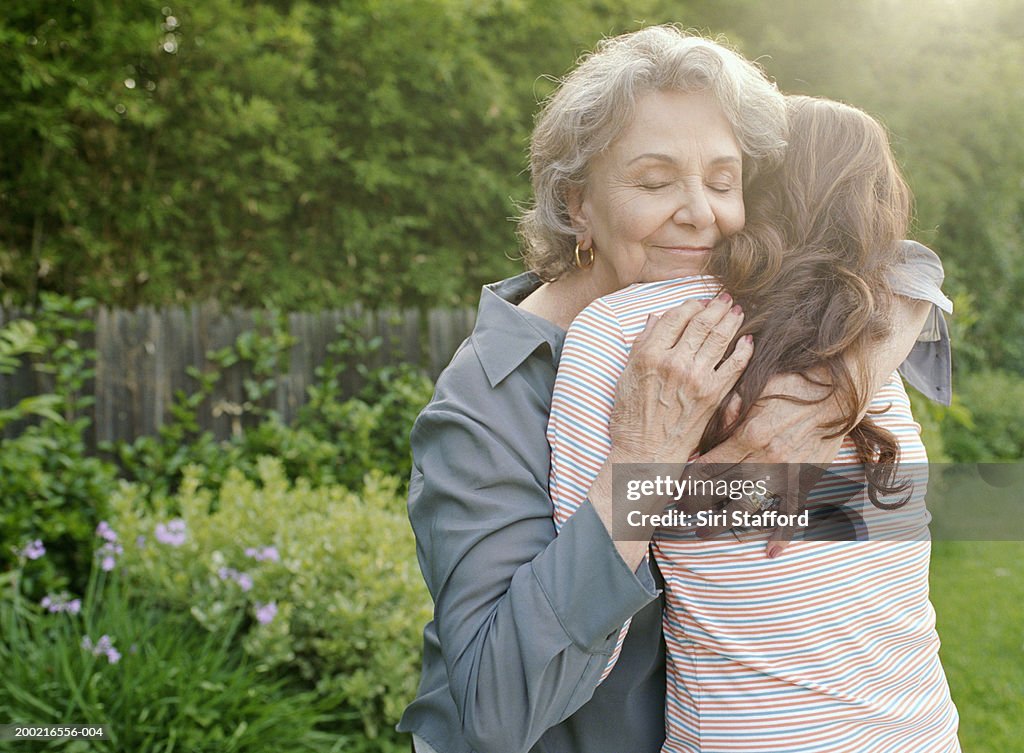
505	335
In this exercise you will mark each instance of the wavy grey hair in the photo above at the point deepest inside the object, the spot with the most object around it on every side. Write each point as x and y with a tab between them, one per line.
597	101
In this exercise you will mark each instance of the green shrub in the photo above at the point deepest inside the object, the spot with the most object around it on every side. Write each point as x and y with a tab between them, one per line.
332	439
994	430
158	461
51	489
370	431
337	566
302	453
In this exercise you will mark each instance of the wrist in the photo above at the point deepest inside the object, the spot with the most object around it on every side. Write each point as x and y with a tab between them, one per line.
647	454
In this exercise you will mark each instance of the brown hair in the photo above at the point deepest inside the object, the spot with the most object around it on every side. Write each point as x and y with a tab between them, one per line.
810	269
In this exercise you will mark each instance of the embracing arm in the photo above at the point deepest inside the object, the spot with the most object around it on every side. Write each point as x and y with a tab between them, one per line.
909	316
785	432
781	431
525	621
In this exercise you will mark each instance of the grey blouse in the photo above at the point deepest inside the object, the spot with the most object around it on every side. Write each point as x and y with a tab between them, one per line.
524	620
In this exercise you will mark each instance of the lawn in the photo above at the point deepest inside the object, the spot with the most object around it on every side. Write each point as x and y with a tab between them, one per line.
977	588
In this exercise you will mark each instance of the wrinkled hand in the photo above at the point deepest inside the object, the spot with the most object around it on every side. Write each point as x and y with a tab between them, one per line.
674	380
779	431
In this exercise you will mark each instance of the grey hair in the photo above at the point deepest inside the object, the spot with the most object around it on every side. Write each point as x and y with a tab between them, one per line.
597	101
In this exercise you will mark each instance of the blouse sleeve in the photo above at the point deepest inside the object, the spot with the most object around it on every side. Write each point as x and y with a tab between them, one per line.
525	620
928	367
593	358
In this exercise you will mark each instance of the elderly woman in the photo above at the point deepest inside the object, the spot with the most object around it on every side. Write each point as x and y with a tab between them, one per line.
524	621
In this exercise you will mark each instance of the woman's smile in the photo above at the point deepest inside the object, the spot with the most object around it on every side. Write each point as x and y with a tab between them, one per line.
665	193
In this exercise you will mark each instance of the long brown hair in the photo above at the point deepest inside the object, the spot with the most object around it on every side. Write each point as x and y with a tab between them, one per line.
810	269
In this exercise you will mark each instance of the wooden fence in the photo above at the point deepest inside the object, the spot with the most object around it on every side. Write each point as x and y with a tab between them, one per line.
143	356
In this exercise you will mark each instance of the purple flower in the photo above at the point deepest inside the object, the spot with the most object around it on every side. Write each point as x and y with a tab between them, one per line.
103	647
173	533
54	603
265	553
108	554
104	531
244	580
34	550
140	541
265	613
111	550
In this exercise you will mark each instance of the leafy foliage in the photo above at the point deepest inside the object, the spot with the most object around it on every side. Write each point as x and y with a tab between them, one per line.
319	616
305	152
297	147
54	488
993	430
371	429
349	604
333	440
153	677
51	487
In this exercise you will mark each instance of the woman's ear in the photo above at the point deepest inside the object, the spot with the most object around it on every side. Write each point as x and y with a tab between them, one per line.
577	210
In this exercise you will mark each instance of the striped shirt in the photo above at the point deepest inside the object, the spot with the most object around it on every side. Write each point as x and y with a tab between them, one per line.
830	647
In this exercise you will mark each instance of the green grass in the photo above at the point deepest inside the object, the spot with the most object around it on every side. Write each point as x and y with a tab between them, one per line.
978	591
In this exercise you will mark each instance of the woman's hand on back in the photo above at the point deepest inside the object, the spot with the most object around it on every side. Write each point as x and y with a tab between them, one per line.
675	379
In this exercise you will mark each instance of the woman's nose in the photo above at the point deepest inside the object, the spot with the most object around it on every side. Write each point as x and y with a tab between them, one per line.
694	208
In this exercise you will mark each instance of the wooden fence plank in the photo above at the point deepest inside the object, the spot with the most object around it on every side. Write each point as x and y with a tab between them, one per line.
448	328
104	409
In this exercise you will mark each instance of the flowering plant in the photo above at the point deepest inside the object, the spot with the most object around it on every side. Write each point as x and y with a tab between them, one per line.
151	676
325	577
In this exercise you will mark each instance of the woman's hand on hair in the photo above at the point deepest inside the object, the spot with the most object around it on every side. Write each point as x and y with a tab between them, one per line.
780	431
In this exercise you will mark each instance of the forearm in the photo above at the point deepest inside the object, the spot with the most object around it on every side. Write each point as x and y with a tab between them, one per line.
919	276
641	405
909	316
526	620
635	548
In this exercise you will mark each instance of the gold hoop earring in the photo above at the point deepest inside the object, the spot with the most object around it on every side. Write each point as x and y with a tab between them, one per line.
580	264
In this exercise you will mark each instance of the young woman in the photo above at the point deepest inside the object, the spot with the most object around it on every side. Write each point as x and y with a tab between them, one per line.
831	647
